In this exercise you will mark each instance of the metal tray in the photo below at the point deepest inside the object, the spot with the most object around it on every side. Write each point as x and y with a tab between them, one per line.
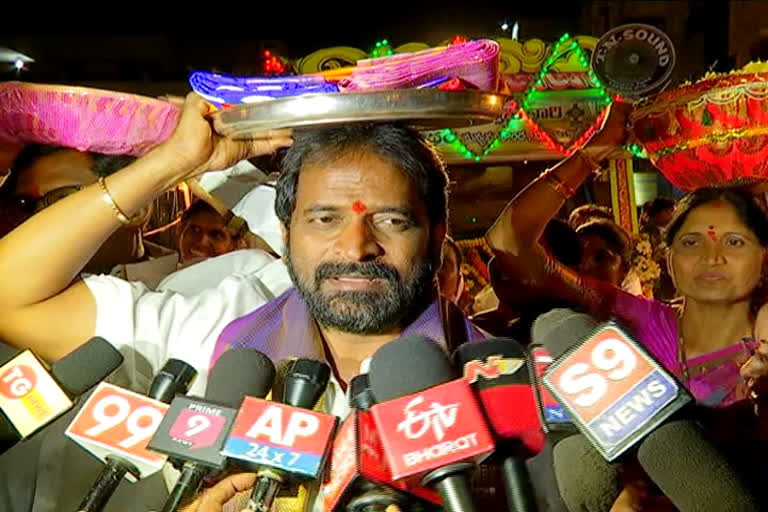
421	108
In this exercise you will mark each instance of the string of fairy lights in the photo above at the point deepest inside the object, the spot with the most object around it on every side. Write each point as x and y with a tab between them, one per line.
564	44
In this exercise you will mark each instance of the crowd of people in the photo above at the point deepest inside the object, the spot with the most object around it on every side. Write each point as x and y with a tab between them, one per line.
363	213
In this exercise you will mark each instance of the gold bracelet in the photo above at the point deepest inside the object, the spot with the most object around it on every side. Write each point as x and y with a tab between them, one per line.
107	197
596	167
562	189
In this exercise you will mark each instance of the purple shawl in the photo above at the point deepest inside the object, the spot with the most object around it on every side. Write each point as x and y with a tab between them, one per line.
284	328
714	378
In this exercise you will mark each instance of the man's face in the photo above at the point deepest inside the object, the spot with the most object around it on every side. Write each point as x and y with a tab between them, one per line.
46	180
600	260
360	247
51	178
205	235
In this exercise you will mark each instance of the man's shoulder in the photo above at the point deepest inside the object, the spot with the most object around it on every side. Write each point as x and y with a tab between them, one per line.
248	263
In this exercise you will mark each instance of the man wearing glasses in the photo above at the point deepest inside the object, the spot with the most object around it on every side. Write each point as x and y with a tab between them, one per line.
42	175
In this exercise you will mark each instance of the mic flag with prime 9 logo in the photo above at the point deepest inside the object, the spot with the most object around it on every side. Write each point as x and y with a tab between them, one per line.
612	390
432	428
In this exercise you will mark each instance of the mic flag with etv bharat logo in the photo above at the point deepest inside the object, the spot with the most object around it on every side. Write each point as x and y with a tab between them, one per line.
613	391
430	429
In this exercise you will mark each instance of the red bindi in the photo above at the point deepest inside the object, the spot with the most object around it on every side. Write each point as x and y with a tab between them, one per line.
718	203
358	207
712	234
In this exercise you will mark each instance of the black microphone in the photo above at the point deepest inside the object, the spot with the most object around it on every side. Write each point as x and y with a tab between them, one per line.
193	430
304	384
120	454
33	396
497	370
691	472
416	388
617	392
360	479
283	441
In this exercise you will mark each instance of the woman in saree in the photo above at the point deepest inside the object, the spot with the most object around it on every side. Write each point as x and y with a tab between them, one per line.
716	249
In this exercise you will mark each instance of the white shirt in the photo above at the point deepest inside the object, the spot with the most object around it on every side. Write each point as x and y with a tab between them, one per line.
185	318
150	327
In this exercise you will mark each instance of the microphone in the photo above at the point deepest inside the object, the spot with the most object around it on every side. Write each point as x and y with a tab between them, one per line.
691	472
553	417
429	422
193	430
31	397
115	426
613	390
556	425
595	488
360	478
586	481
496	369
283	441
618	396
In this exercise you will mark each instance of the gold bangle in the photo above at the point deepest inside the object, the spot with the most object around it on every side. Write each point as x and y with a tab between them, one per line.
591	161
562	189
107	197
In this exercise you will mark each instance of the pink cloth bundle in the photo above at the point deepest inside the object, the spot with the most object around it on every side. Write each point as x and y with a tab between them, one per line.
84	119
476	62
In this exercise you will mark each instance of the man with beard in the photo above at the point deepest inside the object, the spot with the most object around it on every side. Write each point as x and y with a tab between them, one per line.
363	209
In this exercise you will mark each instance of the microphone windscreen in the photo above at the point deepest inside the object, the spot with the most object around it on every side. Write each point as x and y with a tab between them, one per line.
239	373
283	369
691	472
86	366
504	388
174	378
7	353
305	383
360	394
506	349
560	329
406	366
587	481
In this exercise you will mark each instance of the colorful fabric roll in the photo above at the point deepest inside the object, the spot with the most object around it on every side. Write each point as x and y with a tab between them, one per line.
224	90
475	62
84	119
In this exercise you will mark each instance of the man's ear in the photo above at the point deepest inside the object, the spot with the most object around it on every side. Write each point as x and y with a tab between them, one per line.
284	232
436	243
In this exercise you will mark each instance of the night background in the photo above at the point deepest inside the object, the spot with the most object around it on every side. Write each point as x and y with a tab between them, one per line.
150	49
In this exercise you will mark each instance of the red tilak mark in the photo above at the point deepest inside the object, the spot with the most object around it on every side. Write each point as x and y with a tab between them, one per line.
712	234
718	203
358	207
35	192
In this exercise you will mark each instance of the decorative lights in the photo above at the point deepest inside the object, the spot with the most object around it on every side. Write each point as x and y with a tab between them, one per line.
565	44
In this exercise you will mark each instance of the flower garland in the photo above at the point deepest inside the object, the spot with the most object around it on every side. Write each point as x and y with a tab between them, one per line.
644	265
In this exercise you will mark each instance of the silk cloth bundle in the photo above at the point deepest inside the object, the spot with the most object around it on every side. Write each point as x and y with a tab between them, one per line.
84	119
475	62
225	90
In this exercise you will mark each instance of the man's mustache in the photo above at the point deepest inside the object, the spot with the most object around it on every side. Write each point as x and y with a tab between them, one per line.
365	269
